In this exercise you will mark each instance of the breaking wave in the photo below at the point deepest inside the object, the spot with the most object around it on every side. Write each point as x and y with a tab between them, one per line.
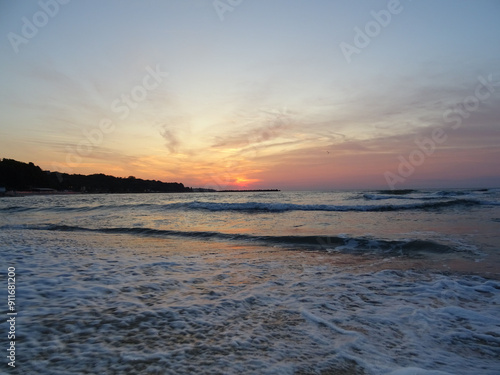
334	243
262	206
283	207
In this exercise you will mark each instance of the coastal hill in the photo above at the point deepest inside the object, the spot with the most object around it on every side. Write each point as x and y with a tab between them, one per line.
19	176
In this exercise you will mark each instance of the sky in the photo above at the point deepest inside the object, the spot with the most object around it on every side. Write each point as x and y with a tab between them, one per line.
255	94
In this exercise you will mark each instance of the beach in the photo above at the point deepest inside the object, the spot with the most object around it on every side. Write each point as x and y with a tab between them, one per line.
353	282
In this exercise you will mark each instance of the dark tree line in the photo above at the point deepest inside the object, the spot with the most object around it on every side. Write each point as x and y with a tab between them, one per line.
16	175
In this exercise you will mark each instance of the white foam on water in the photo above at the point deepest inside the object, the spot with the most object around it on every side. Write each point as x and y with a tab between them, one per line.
109	306
417	371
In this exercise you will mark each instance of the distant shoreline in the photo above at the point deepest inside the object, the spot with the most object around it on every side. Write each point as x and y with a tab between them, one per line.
19	179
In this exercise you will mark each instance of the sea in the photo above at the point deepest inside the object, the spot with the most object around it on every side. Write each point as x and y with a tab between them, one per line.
403	282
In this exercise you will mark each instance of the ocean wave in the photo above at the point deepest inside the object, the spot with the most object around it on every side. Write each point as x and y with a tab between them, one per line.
415	203
13	209
283	207
89	208
455	193
397	192
422	194
379	197
334	243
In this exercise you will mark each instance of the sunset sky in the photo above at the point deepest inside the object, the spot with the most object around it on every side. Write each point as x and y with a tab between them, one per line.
288	94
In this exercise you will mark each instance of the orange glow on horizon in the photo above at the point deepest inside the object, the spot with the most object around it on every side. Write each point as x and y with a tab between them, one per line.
244	182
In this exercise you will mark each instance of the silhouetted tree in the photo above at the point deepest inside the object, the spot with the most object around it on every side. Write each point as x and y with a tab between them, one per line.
15	175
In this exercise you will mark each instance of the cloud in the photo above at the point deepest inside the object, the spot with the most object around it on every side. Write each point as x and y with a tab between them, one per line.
172	140
255	127
251	137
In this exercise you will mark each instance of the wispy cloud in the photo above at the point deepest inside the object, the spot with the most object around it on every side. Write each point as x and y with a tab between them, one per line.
172	141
